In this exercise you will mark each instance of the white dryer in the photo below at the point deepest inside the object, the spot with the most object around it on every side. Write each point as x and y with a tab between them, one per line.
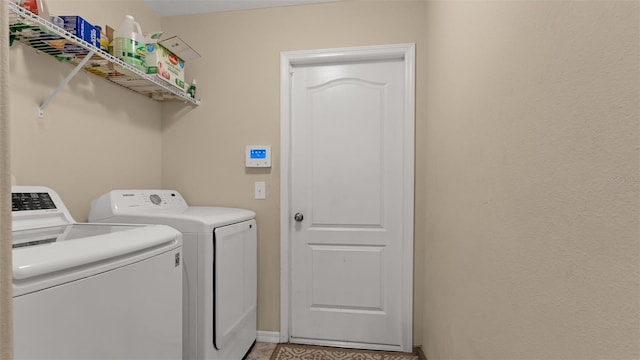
92	291
220	266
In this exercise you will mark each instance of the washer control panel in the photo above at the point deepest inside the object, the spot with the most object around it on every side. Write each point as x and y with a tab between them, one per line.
23	201
37	206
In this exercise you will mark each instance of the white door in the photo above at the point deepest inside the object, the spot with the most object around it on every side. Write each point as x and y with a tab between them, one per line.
349	222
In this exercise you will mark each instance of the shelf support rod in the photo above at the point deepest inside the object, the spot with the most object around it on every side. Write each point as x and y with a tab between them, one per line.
64	83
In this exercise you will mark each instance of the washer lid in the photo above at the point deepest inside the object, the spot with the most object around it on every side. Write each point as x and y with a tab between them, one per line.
45	251
48	235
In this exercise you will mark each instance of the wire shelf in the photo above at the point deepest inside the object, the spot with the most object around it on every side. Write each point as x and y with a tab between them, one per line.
46	37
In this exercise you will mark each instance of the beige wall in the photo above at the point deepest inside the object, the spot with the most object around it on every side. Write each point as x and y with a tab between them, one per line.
533	180
94	136
239	82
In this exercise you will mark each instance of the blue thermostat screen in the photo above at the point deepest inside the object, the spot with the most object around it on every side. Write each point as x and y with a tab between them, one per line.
258	154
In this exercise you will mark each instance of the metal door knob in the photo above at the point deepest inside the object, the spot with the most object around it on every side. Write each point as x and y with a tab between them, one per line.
298	217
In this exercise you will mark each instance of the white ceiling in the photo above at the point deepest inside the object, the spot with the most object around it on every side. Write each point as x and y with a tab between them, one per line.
186	7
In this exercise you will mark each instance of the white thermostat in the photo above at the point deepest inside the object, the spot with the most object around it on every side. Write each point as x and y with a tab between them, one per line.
258	156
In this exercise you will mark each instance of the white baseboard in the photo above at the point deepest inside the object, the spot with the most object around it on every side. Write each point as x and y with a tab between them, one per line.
268	336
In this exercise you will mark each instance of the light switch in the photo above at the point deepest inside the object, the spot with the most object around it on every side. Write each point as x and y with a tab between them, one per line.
260	190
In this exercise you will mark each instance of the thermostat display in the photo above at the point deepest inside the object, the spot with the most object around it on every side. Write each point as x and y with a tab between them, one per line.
258	156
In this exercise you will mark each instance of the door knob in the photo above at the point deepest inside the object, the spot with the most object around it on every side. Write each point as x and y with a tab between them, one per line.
298	217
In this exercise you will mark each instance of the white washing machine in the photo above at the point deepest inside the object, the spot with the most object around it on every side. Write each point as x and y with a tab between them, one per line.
92	291
220	266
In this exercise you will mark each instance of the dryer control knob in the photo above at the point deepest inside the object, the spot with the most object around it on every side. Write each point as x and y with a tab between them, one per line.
155	199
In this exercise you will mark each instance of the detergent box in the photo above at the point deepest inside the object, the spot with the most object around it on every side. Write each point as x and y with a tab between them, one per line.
166	58
59	46
82	29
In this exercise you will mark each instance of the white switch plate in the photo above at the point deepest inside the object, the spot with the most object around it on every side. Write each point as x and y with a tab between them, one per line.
260	190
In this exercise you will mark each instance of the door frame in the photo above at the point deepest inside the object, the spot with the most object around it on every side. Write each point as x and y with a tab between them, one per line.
288	60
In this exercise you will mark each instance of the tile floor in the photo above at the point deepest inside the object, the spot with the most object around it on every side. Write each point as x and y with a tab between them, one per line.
261	351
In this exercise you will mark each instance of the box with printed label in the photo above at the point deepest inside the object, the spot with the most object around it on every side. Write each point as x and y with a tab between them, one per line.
166	56
82	29
167	65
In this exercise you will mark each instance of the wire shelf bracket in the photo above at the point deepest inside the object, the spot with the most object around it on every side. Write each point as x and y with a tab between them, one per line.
63	84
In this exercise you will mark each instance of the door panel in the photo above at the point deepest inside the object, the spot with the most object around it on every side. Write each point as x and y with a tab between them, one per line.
347	131
332	268
346	177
